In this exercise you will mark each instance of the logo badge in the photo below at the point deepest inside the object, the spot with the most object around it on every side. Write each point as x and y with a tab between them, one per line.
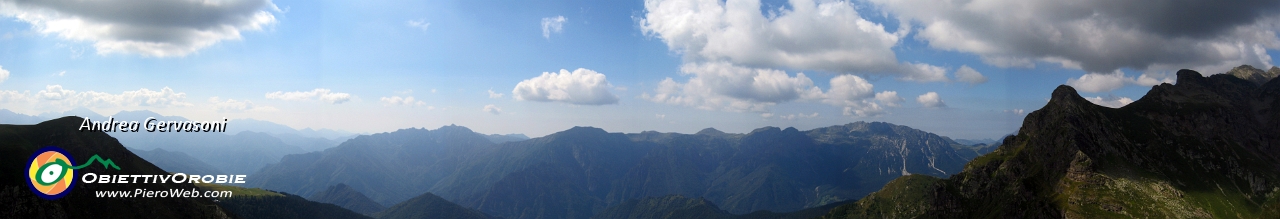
51	173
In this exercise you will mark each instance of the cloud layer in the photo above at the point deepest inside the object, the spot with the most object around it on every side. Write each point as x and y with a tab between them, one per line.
1098	35
723	86
58	97
401	101
828	36
1095	82
726	87
580	87
319	93
235	106
159	28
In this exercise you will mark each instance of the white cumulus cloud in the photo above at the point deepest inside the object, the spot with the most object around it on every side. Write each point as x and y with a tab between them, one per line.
13	96
580	87
322	94
723	86
59	97
552	25
4	74
920	72
1110	101
828	35
889	98
495	95
492	109
931	100
232	105
159	28
799	116
402	101
968	75
726	87
1097	82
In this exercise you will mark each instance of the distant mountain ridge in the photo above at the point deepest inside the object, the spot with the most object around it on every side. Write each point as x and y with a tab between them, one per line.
429	206
579	172
1203	148
176	162
345	197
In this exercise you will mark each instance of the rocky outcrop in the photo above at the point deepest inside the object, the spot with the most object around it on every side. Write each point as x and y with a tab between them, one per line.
1203	148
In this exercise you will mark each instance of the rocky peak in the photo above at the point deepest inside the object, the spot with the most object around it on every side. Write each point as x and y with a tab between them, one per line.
710	131
1249	73
1066	96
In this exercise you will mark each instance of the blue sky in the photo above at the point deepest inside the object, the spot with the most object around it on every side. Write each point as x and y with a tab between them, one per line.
350	65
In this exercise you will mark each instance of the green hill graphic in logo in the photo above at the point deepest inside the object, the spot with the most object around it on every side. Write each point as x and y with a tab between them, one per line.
51	172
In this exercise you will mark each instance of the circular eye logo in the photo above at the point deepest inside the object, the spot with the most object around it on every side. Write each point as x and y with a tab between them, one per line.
51	172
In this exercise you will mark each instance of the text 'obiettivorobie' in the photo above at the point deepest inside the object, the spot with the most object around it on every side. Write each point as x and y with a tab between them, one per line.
153	125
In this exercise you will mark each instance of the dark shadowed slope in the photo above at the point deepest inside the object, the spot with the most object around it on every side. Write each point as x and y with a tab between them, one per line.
272	205
680	207
346	197
429	206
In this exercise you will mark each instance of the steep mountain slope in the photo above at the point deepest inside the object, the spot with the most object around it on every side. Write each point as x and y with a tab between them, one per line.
429	206
346	197
177	162
680	207
271	205
18	142
905	197
666	207
1204	148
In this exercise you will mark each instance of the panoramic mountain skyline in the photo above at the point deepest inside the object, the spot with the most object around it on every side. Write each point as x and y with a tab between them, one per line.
965	69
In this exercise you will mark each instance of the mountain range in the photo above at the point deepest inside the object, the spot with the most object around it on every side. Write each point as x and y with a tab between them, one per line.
1200	148
579	172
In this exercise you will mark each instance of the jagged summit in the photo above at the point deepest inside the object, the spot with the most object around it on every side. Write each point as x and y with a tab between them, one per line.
1257	76
1066	96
